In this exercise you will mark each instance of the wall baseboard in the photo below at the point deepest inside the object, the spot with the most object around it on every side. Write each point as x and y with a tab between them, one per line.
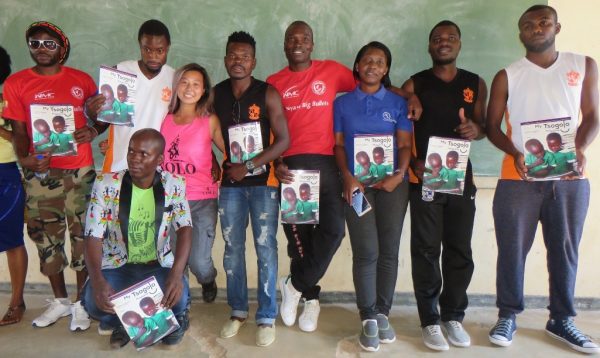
400	298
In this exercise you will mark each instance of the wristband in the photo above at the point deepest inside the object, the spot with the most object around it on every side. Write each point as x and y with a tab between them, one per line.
95	130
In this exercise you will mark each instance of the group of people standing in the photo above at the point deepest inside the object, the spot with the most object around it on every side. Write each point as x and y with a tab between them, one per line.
153	210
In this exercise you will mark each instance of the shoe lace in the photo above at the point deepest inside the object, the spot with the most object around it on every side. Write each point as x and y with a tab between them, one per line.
310	307
79	312
503	326
52	304
434	329
456	325
573	331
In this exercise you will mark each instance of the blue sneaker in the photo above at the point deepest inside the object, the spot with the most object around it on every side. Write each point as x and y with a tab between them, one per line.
565	331
502	333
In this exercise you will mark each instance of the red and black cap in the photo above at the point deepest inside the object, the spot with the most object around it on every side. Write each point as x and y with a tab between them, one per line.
54	31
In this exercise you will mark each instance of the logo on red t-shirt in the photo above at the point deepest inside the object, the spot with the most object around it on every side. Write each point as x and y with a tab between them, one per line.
318	87
77	92
291	92
47	94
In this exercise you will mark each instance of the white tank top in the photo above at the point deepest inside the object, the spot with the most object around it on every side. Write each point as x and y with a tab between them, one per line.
152	99
536	93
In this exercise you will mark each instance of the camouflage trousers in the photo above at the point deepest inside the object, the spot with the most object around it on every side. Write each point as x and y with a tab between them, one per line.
54	202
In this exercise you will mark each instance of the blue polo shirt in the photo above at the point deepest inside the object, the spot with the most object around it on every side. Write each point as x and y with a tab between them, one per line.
380	113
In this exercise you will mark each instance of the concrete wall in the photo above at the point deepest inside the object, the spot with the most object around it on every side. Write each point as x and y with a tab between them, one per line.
578	35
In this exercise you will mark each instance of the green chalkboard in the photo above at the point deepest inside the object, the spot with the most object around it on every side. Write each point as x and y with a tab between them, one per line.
105	32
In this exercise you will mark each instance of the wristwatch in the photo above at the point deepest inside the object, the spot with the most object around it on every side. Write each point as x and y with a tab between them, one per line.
249	166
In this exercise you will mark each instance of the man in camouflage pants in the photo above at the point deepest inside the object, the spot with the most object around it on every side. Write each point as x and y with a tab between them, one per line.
57	187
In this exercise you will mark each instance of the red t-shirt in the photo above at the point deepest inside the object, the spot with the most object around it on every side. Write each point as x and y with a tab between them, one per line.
307	98
68	87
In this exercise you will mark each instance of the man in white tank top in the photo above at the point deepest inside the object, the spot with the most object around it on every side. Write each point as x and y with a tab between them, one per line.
155	81
543	85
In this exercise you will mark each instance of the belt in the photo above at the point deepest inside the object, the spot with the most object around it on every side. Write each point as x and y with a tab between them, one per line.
153	262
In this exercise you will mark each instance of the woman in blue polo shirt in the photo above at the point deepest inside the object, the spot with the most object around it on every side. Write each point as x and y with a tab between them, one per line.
373	138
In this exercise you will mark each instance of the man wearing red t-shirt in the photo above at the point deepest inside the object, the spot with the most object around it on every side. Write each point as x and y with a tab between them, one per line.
308	88
57	187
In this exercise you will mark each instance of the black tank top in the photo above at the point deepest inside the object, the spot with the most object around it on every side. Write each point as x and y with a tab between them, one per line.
250	107
441	102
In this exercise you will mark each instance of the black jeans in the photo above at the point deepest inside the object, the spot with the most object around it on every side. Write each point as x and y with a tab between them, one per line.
375	239
446	221
311	247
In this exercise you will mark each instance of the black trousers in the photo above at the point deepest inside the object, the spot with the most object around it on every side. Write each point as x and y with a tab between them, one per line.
446	222
311	247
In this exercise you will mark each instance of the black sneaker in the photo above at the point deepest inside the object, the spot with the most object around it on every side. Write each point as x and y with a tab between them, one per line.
502	333
565	331
176	336
119	337
184	320
209	291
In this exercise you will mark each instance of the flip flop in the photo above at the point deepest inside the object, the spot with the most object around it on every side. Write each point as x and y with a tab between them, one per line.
13	315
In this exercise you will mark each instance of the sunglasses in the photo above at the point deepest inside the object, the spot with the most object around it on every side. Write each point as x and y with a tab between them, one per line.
49	45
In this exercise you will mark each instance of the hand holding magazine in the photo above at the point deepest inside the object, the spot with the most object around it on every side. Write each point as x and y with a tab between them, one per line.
138	308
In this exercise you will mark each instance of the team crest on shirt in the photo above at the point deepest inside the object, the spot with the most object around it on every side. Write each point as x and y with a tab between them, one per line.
166	94
254	112
318	87
573	78
77	92
468	95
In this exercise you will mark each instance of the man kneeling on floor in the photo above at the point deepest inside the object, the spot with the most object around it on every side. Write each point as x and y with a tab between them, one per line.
127	236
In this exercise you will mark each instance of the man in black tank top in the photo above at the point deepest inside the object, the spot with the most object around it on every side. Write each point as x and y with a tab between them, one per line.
255	132
453	103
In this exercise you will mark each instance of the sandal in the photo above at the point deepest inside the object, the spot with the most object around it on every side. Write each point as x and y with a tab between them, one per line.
13	315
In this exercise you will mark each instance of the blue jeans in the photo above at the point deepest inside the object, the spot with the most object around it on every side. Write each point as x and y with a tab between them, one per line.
125	276
262	203
561	207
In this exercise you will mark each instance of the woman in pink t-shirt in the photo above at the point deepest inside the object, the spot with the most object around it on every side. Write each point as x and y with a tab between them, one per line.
190	129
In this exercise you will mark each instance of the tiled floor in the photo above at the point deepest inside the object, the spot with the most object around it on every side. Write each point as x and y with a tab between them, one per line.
335	337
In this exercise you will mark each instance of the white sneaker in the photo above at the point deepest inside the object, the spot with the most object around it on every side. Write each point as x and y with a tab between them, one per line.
80	320
57	308
309	317
289	301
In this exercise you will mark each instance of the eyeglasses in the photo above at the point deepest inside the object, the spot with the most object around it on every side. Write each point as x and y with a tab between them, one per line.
49	45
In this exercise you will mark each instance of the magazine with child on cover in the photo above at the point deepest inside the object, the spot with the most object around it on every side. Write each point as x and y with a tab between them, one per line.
119	89
300	199
52	128
245	143
446	165
549	149
373	158
142	315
